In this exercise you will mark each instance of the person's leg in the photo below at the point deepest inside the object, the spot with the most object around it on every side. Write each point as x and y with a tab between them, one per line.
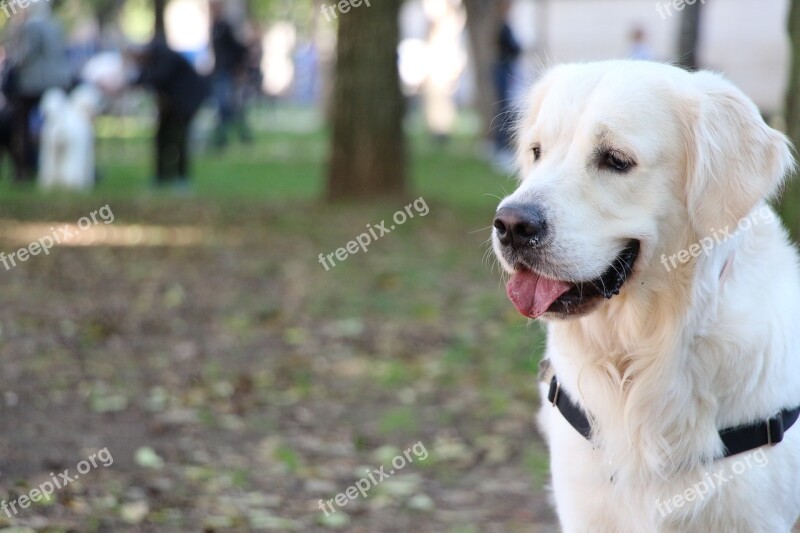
173	147
158	149
163	148
240	111
35	133
182	140
22	140
17	143
7	133
504	108
224	98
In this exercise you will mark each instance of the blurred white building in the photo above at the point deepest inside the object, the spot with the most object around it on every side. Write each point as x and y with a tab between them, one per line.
745	39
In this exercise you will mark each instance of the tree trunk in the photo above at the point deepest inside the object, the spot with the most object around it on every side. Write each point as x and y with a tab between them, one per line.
791	196
484	18
159	7
689	38
107	11
368	157
793	93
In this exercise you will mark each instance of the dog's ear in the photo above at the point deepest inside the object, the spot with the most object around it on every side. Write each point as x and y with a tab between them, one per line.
735	160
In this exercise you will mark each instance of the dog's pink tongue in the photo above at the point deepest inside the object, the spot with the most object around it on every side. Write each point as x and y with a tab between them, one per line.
533	294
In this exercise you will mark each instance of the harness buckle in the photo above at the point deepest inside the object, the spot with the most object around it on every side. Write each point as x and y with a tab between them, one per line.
554	398
775	429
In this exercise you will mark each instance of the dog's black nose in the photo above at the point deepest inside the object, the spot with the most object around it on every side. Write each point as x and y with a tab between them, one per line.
518	225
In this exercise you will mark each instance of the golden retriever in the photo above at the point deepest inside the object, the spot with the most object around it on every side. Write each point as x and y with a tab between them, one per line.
640	234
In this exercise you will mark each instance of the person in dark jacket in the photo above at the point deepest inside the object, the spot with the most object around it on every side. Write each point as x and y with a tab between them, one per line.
508	50
38	63
180	91
230	59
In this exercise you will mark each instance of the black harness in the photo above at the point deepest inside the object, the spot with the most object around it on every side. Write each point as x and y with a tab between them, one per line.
737	439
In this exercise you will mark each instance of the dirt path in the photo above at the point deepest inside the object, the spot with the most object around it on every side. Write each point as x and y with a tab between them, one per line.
236	384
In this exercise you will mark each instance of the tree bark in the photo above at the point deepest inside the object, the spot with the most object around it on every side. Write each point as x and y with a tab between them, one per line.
791	196
689	38
368	158
793	92
159	7
484	18
107	11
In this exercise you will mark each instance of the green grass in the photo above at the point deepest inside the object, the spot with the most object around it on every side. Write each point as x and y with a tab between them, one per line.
430	271
280	166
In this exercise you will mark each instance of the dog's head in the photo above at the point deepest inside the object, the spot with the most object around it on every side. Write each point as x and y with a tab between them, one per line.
620	161
53	102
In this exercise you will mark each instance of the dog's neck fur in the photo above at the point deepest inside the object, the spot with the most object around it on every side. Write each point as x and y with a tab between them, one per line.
646	387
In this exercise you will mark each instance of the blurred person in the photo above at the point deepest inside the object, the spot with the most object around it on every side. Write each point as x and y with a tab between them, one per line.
306	73
83	43
6	113
180	91
38	63
508	50
252	87
639	47
446	65
230	58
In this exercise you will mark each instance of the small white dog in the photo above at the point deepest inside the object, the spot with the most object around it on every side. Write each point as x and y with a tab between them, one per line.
673	385
67	145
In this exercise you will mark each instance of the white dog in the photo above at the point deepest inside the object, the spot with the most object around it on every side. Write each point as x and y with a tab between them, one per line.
67	145
672	381
107	71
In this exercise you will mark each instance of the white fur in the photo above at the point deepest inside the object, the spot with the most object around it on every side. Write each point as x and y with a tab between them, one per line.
67	146
107	71
679	354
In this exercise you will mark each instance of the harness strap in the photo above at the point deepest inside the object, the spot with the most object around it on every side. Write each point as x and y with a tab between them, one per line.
737	439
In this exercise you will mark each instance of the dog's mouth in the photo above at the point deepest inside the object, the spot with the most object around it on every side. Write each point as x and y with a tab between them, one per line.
534	294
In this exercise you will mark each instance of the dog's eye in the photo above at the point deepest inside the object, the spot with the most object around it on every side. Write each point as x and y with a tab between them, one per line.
537	152
617	162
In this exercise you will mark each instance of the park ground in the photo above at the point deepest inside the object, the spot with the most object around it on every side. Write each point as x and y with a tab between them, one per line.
235	381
